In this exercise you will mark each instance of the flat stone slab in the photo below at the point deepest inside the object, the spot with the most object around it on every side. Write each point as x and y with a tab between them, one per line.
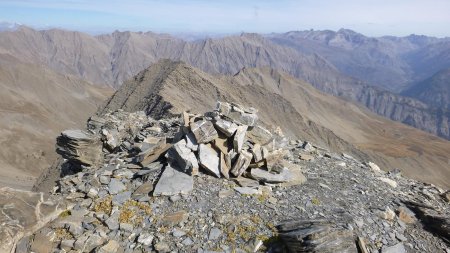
248	190
226	127
173	182
24	212
265	176
209	159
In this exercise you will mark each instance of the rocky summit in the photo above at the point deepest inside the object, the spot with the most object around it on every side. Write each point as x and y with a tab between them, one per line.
217	182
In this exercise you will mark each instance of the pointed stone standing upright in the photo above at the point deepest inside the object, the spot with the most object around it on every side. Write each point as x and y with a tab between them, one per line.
239	138
224	169
209	159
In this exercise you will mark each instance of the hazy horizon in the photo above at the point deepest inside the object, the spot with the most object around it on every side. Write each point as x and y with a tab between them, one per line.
199	17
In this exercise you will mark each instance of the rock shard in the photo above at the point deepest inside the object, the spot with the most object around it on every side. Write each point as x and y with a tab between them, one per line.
204	131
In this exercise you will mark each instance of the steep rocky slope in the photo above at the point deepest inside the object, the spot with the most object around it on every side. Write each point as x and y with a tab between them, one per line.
434	91
35	105
168	88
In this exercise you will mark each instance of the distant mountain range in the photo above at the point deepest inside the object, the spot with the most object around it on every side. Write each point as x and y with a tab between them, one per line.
390	63
6	26
370	71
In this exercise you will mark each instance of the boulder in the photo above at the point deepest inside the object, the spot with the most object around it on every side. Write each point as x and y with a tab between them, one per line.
191	142
397	248
224	169
257	153
306	157
235	112
152	153
374	167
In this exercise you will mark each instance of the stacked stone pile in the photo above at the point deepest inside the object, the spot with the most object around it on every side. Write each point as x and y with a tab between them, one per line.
224	143
80	147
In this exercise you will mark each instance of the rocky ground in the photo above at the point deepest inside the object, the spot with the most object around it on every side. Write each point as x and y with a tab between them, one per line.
221	182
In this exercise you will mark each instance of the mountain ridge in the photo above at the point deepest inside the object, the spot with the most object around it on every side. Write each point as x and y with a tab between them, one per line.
297	107
113	58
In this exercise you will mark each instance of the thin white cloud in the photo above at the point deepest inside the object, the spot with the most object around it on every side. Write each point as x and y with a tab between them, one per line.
379	17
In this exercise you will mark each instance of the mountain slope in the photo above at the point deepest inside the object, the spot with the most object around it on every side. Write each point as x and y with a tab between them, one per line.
302	111
434	91
110	59
35	105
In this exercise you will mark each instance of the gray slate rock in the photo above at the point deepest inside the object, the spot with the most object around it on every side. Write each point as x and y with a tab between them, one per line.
316	236
397	248
80	147
204	131
173	182
209	159
115	186
214	234
121	198
142	193
184	157
226	127
239	138
267	177
242	163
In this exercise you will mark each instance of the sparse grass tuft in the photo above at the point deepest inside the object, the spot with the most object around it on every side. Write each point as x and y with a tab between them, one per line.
64	214
104	205
315	201
63	234
126	216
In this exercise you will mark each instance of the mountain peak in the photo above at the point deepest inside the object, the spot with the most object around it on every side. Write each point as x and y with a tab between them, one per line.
143	91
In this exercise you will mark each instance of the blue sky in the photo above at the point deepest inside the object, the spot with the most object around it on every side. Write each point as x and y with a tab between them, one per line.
370	17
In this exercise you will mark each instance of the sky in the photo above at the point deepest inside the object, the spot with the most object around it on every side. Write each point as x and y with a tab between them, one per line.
370	17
